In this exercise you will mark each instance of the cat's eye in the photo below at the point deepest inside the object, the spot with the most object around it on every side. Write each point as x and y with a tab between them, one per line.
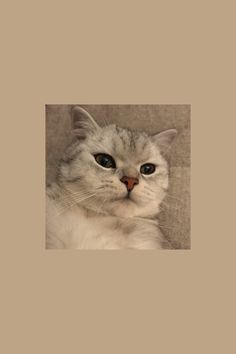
147	169
105	160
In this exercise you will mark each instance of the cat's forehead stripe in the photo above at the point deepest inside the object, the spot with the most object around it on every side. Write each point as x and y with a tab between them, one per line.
131	140
122	142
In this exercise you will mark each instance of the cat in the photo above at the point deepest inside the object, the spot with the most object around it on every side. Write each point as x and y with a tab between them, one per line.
109	186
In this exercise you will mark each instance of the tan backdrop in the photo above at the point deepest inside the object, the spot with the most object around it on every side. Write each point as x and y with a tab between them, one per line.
163	52
175	215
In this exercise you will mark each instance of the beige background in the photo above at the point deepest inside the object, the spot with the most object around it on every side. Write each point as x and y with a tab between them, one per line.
174	219
117	52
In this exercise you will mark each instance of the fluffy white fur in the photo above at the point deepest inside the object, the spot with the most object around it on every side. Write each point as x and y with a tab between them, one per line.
88	208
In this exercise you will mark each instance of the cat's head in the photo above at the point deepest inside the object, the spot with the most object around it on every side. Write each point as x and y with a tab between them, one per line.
116	171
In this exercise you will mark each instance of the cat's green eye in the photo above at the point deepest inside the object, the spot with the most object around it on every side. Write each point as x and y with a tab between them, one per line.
147	169
105	160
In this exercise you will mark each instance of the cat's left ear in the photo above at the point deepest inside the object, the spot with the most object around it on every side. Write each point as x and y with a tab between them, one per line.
82	123
164	139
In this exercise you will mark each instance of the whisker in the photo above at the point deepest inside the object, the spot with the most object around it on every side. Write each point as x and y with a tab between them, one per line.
106	123
70	201
145	219
76	197
175	198
68	206
167	206
73	194
101	206
165	227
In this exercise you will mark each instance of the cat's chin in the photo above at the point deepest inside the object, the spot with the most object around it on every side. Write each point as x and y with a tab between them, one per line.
127	208
123	208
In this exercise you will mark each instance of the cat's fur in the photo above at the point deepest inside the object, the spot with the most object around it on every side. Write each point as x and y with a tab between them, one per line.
87	206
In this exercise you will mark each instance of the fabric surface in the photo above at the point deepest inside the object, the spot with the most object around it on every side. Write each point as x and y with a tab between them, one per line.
175	215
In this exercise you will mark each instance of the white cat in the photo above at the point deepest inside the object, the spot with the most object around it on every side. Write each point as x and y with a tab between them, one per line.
109	186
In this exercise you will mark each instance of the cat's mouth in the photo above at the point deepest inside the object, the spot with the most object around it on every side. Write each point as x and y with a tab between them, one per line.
125	198
128	195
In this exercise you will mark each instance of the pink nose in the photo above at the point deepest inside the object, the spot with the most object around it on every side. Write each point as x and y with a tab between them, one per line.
129	182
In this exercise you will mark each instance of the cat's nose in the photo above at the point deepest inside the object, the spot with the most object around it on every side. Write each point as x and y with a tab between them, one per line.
129	182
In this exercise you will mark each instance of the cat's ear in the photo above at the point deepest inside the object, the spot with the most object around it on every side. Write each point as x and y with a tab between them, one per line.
82	123
164	139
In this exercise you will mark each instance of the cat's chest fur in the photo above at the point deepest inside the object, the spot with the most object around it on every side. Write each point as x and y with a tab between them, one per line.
75	228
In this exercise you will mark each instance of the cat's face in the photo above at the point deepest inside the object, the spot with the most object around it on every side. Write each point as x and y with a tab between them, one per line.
116	171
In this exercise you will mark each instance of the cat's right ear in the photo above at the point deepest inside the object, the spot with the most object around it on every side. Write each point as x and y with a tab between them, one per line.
82	123
164	139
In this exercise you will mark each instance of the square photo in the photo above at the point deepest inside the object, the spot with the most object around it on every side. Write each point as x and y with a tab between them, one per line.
118	177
